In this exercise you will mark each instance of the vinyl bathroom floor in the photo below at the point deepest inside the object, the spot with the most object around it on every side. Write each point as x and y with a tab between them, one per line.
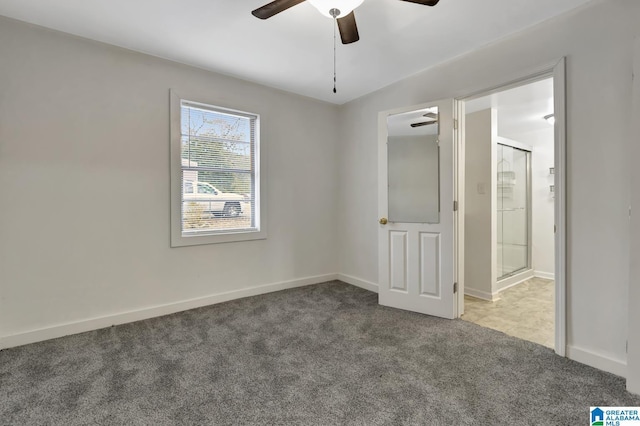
525	311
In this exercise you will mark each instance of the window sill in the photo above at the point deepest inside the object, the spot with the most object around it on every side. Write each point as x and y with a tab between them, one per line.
216	238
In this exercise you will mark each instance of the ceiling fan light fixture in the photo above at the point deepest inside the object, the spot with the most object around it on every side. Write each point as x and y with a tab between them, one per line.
344	6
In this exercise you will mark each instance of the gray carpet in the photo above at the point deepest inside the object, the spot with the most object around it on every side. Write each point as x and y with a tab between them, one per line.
325	354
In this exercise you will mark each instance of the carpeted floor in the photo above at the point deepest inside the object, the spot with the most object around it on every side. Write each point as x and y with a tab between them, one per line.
317	355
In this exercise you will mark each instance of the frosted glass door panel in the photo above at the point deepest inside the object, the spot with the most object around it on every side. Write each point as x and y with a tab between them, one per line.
413	167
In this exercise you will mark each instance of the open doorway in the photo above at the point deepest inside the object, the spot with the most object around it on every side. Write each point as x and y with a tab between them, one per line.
509	220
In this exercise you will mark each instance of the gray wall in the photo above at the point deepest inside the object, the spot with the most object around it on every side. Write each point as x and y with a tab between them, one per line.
84	184
479	249
633	378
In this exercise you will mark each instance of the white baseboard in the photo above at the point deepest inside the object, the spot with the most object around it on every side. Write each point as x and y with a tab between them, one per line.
514	280
545	275
367	285
152	312
479	294
601	362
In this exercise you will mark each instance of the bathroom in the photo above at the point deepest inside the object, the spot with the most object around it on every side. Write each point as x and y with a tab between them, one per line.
509	212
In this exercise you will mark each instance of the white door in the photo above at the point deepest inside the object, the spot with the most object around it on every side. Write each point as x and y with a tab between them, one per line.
416	209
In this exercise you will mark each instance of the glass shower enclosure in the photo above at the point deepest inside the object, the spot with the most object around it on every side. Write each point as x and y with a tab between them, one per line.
513	210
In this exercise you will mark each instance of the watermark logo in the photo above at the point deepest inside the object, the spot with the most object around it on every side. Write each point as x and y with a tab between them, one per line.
615	416
597	416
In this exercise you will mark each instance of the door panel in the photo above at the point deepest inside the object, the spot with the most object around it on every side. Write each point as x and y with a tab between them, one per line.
430	284
398	260
415	193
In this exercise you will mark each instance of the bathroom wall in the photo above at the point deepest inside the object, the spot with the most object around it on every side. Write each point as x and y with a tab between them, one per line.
542	201
479	252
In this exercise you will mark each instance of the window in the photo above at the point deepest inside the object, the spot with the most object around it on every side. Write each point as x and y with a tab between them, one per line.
215	166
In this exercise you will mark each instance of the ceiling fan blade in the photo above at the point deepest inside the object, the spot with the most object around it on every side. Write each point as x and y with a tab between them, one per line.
273	8
424	123
348	29
431	115
424	2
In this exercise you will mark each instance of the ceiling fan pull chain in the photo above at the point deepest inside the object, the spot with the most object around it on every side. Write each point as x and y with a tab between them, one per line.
335	24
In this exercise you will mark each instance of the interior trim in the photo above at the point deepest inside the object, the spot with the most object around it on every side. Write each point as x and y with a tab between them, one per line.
358	282
601	362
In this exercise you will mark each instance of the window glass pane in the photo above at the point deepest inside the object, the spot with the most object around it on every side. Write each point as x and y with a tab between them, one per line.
205	151
218	158
211	209
198	121
215	174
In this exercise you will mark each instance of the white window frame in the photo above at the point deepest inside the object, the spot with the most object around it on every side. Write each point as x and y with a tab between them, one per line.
177	238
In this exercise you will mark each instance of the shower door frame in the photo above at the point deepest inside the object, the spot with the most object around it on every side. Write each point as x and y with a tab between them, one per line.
522	147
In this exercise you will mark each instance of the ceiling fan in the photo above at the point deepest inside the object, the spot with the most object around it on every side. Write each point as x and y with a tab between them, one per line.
433	119
341	10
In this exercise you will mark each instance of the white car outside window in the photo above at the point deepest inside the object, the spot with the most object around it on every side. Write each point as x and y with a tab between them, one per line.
214	201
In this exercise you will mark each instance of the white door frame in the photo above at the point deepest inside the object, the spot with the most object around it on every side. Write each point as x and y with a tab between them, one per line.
557	70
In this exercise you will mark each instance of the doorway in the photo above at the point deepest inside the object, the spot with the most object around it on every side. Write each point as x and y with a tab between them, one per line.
509	221
422	262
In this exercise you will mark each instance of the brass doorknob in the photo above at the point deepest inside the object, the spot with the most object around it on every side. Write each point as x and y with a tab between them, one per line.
383	221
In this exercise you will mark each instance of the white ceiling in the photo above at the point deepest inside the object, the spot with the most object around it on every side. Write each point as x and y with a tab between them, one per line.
520	110
293	50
